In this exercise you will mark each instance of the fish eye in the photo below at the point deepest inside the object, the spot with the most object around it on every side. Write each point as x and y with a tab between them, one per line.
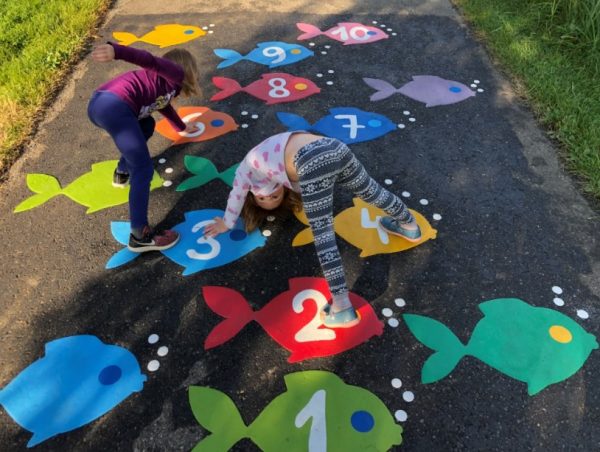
188	32
296	51
217	122
237	234
374	123
455	89
110	375
371	33
560	334
362	421
300	86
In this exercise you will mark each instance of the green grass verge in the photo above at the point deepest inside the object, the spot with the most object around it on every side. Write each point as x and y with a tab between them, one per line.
39	42
552	49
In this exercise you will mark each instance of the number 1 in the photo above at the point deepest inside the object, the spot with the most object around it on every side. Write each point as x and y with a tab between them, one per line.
315	409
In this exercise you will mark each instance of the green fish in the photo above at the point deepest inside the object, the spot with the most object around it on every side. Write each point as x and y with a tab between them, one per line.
204	171
538	346
318	412
93	189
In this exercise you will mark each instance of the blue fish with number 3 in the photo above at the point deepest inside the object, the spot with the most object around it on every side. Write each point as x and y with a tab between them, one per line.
272	54
194	251
347	124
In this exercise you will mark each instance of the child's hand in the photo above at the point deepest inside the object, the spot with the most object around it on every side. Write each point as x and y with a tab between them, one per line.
103	53
189	129
216	228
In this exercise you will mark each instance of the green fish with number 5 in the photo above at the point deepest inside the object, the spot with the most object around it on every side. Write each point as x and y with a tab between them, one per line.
318	412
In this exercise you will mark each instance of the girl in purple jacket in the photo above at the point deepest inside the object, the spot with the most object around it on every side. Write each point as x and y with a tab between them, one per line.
123	107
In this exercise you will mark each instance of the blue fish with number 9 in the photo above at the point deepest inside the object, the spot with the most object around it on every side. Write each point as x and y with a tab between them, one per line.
194	251
347	124
272	54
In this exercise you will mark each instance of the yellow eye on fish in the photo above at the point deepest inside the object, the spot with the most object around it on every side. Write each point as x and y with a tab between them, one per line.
162	35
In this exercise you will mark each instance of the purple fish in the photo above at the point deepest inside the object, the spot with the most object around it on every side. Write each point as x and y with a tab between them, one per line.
429	89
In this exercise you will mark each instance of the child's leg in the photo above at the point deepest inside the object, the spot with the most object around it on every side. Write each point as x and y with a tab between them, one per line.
147	125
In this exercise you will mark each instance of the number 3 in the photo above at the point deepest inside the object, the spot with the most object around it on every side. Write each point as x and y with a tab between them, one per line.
215	247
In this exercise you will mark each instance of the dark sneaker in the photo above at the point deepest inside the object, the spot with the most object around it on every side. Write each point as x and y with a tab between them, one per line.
153	241
395	227
120	180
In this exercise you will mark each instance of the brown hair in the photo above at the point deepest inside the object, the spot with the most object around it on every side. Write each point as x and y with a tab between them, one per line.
187	61
253	215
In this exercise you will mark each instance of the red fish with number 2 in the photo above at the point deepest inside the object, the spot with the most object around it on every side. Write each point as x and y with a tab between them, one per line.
292	319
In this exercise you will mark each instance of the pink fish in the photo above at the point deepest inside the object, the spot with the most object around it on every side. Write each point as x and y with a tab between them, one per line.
346	32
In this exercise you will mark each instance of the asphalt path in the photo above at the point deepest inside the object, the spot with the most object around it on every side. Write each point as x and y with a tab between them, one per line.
513	225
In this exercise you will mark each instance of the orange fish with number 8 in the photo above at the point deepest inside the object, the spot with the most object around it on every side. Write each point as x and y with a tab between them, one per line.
292	319
274	88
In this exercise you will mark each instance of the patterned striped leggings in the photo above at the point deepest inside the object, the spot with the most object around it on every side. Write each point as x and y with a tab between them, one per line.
320	165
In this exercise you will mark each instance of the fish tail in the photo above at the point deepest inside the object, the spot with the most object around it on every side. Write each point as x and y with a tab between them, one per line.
384	89
435	335
45	186
125	38
230	56
228	175
228	86
310	31
217	413
293	122
233	307
204	171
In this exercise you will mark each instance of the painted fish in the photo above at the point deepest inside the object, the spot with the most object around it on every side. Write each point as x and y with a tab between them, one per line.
346	32
429	89
162	35
292	319
274	88
93	190
347	124
78	380
194	251
204	171
538	346
317	413
211	124
359	226
272	54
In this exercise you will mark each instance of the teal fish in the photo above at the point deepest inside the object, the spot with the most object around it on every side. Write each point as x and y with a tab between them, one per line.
204	171
318	412
93	190
538	346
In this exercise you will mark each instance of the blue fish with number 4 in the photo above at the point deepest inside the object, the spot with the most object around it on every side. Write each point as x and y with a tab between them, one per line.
347	124
272	54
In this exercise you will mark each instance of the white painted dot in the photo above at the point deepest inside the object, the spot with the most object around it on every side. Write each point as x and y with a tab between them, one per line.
270	218
559	301
169	170
205	28
393	322
389	29
406	112
254	116
330	71
153	365
312	44
401	126
244	113
387	312
480	90
328	47
167	183
582	314
329	82
244	126
557	290
406	194
210	32
473	85
382	25
323	53
475	81
153	339
319	75
400	302
412	119
437	217
396	383
162	160
388	181
266	233
408	396
423	202
162	351
394	34
401	415
374	22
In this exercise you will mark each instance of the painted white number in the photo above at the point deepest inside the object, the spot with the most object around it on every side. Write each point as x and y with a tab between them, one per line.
187	119
311	331
215	247
353	126
278	85
354	33
315	409
342	32
275	52
365	222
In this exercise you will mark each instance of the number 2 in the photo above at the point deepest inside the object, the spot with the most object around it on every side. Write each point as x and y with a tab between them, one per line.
311	331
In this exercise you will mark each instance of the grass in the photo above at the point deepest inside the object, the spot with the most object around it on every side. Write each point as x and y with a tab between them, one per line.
552	50
39	42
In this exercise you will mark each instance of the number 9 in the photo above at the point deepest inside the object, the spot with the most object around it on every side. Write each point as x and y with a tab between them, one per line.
275	52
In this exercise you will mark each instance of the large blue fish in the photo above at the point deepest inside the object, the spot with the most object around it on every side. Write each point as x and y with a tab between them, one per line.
194	251
347	124
78	380
272	54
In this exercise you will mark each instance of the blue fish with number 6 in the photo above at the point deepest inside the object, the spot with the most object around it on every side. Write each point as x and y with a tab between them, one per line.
272	54
347	124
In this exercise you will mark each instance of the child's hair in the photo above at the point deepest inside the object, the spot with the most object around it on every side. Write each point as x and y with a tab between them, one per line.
187	61
253	215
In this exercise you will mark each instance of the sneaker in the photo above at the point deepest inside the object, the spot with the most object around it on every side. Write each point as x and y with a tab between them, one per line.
342	319
395	227
153	240
120	180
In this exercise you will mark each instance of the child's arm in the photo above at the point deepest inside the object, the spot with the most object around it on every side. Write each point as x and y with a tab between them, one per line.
172	116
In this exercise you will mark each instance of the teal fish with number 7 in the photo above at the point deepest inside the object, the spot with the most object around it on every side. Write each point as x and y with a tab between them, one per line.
318	412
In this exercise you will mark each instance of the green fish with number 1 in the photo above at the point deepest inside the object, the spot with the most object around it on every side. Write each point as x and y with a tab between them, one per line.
317	413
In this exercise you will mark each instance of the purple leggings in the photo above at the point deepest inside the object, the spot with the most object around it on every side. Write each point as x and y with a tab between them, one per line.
109	112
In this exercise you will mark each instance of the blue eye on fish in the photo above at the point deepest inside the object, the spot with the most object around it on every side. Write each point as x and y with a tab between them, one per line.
272	54
78	380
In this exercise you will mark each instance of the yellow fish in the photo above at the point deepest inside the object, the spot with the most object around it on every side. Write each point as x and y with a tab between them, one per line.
359	225
162	35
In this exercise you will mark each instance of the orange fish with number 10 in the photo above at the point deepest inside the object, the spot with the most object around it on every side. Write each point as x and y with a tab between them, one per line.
210	123
292	319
